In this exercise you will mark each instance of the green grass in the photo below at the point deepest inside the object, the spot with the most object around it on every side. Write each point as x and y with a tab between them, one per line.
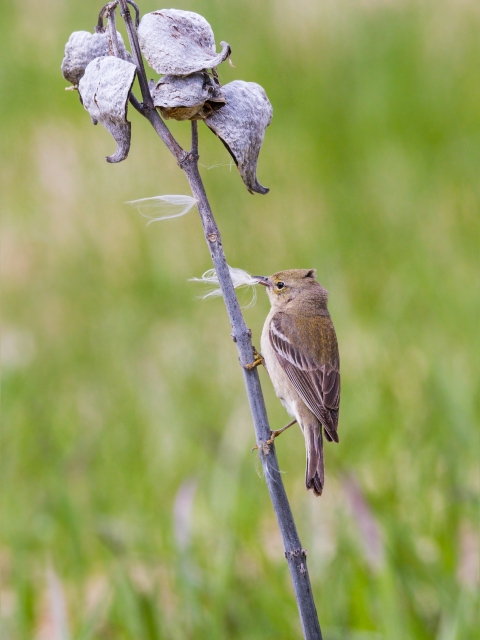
129	490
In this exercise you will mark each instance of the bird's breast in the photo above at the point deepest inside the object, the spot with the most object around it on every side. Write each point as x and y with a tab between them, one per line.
283	387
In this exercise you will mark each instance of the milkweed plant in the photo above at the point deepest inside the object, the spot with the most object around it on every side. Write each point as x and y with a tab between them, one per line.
180	47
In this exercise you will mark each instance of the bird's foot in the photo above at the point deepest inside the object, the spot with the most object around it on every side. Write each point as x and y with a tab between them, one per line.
258	360
275	434
265	446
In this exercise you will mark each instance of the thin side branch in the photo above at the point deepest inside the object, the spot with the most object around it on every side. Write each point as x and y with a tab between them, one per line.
103	13
136	104
194	147
137	12
112	29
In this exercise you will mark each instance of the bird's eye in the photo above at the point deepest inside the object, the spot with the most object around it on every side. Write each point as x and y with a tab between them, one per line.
280	285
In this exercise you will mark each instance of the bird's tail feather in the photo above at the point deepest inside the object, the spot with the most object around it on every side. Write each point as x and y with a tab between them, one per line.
314	477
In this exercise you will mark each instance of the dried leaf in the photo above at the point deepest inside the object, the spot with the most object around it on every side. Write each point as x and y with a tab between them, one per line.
83	47
179	42
241	124
104	90
191	98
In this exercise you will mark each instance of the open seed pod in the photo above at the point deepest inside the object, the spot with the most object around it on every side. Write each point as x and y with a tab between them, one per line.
179	42
192	97
104	89
241	124
83	47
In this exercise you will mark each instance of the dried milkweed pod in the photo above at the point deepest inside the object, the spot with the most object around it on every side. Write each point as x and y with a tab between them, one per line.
179	42
105	89
83	47
240	124
193	97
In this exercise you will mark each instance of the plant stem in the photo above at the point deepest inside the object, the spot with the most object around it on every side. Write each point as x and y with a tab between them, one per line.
294	553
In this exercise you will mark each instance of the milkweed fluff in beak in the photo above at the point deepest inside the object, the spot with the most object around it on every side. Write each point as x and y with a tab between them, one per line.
240	278
172	206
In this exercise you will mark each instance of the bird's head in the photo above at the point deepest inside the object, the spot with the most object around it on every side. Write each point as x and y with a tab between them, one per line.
284	286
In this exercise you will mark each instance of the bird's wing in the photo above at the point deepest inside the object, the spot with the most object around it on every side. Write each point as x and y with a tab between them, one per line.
315	376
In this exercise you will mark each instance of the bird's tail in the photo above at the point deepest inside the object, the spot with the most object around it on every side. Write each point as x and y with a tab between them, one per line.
314	477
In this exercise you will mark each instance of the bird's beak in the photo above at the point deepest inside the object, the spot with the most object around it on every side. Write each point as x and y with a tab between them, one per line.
263	280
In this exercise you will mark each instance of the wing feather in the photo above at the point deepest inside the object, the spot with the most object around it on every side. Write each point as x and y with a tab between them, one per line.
315	379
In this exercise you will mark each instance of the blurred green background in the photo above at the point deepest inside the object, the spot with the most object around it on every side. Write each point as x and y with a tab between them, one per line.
132	506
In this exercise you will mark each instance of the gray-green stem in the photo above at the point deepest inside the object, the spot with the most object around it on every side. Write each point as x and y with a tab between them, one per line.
188	161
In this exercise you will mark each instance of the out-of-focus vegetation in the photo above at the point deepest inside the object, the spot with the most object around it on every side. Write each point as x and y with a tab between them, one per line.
132	505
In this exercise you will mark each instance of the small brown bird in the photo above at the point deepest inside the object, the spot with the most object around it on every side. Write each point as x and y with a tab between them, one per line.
300	350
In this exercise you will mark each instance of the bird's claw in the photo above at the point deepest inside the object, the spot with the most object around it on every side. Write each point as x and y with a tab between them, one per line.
275	434
258	360
265	446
